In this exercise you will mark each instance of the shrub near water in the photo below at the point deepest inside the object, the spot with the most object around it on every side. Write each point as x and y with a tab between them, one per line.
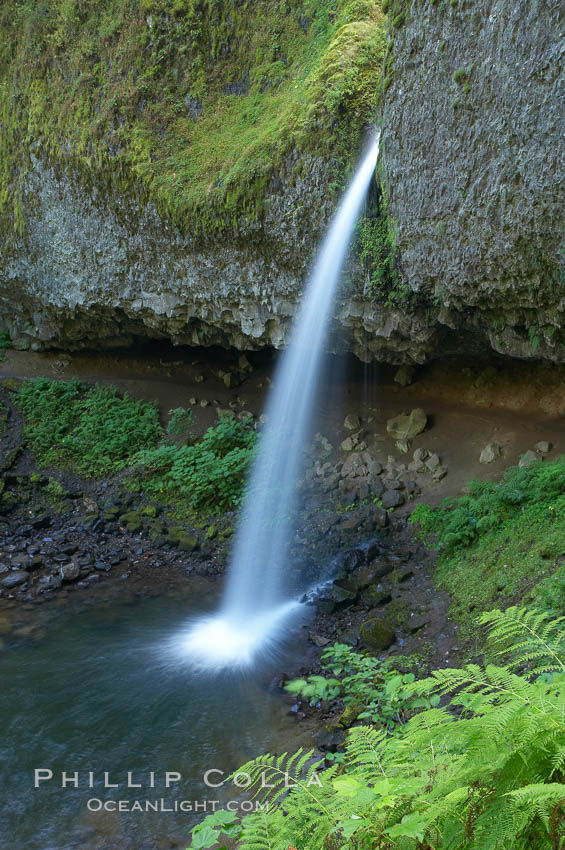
209	474
92	430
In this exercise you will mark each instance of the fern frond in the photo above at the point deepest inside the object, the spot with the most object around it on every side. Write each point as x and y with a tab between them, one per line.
529	637
264	831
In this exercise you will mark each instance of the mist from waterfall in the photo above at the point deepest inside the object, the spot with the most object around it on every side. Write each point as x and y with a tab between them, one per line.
257	597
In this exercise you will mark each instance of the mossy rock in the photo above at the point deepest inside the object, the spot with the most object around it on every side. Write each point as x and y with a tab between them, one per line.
133	520
183	539
8	501
211	532
377	635
9	459
350	714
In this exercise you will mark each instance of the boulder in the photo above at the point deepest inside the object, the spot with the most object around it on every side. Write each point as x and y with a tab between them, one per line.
543	447
433	462
352	422
330	738
377	635
490	453
70	571
15	578
392	499
183	539
528	458
406	426
404	376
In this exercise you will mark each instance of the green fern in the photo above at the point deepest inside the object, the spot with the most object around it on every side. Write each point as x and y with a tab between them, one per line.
527	638
484	770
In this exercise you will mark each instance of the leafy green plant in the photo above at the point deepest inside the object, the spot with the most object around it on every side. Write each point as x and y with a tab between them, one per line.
92	429
483	771
208	474
363	682
180	421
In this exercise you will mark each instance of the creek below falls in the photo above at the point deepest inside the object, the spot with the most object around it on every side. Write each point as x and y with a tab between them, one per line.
104	691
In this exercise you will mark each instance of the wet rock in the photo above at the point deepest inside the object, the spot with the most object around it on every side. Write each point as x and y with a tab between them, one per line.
376	486
528	458
42	521
70	571
133	520
9	458
350	443
373	466
330	483
343	596
490	453
404	376
406	426
14	579
325	605
374	596
377	635
380	517
392	499
318	640
323	442
402	447
440	473
51	582
363	490
330	738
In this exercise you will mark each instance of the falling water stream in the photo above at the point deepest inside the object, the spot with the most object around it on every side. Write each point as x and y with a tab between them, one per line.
258	600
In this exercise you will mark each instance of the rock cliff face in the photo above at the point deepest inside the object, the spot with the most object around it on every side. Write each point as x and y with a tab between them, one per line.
95	273
474	161
472	171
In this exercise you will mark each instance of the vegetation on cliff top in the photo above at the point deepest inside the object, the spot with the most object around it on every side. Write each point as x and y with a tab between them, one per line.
194	105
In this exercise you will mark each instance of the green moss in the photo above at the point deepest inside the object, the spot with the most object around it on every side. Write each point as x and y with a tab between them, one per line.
194	105
501	542
377	252
460	76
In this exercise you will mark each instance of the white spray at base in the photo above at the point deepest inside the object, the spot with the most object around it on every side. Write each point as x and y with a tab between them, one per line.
255	606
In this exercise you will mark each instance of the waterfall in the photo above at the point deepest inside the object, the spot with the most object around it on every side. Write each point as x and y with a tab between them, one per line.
256	601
